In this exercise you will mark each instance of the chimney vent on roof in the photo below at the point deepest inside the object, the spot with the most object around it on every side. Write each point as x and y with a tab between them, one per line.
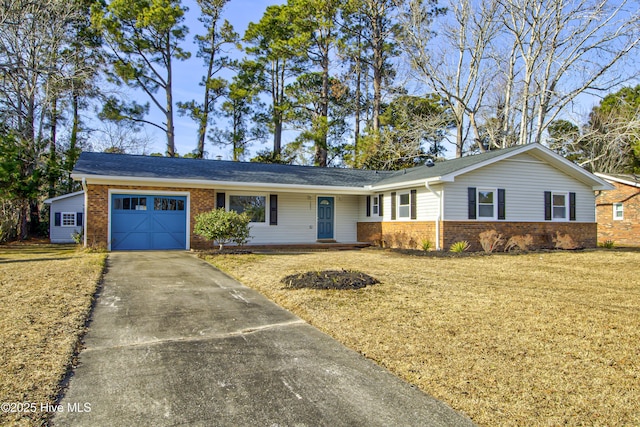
218	157
429	163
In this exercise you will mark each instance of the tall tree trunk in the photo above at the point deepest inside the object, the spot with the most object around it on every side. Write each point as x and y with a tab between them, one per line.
73	139
171	147
322	138
52	166
378	64
358	95
277	97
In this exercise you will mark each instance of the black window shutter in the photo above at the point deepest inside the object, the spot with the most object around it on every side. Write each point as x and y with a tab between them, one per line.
368	205
471	192
57	219
79	219
413	207
220	204
547	205
393	205
380	200
501	204
572	206
273	209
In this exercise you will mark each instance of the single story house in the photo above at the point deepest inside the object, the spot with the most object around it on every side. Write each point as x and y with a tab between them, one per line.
618	210
141	202
65	216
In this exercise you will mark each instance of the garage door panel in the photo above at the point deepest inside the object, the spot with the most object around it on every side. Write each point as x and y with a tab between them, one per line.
148	222
167	240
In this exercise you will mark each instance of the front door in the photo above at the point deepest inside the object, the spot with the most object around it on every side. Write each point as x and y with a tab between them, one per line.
325	218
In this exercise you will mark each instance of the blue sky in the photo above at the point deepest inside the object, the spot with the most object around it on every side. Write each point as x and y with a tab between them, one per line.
187	75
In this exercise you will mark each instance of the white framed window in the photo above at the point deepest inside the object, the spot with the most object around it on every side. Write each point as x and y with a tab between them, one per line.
559	206
404	205
254	206
618	211
375	208
487	203
68	219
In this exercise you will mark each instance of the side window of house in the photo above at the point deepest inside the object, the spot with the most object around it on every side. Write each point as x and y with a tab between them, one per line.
486	204
376	205
559	206
404	205
618	211
68	219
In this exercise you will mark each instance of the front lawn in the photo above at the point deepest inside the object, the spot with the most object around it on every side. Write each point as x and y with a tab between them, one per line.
537	339
45	297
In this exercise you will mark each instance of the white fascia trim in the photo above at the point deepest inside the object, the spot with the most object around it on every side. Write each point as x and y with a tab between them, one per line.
64	196
223	185
616	179
401	185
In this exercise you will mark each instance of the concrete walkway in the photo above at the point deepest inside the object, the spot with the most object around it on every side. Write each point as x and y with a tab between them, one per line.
173	341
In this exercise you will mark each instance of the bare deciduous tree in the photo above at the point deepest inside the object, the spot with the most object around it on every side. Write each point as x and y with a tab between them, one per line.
451	58
563	49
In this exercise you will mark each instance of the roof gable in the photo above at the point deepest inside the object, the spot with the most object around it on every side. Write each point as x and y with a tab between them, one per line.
64	196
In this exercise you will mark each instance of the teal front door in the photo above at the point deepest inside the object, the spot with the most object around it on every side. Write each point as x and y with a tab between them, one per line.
325	218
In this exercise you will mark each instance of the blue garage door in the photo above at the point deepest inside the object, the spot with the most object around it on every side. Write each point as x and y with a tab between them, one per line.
148	222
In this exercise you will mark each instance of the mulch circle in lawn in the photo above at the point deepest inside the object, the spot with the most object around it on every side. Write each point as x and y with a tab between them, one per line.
329	279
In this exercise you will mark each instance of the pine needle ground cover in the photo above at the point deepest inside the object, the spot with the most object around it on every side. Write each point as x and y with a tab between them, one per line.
46	294
536	339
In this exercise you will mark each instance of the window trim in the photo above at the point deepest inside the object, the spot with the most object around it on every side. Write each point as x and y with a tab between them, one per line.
494	204
72	214
267	206
566	206
621	211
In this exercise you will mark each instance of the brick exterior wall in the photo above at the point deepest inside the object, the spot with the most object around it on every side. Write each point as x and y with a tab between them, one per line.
409	235
97	210
625	232
543	233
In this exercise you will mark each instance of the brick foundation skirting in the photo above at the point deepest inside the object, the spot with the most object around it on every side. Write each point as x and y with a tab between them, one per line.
410	235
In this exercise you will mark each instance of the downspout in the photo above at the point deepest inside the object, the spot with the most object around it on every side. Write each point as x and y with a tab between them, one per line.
84	222
439	217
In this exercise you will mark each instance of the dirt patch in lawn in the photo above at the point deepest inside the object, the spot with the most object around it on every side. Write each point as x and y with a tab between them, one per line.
329	279
46	293
533	339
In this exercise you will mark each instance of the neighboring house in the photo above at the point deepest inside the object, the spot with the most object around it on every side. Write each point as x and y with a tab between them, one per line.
65	216
140	202
618	210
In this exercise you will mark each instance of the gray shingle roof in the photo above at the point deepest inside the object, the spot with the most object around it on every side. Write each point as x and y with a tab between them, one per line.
125	165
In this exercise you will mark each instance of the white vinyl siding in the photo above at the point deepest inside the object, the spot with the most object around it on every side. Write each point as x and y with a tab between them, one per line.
426	206
525	179
70	205
297	219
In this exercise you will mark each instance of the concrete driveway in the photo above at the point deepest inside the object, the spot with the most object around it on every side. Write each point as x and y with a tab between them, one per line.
173	341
